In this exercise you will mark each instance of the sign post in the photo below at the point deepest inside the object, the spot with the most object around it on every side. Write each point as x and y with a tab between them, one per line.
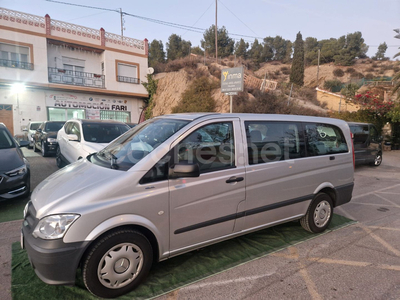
232	82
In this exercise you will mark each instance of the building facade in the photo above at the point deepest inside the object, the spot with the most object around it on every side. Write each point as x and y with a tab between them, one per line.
53	70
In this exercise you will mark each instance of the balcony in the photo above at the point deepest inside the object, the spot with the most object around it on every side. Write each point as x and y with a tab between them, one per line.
128	79
16	64
76	78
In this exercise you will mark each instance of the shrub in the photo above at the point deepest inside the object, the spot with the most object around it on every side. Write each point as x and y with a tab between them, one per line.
350	70
215	71
330	84
369	76
374	65
370	69
357	75
338	72
277	72
285	70
231	64
197	98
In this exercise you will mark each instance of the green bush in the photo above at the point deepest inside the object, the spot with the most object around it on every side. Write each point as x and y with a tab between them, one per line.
197	98
350	70
338	72
330	84
369	76
285	70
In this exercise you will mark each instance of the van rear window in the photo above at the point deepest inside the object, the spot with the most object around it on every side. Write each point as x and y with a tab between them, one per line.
324	139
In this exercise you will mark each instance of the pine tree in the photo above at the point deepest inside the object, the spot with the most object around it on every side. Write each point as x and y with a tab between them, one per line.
380	54
297	72
156	53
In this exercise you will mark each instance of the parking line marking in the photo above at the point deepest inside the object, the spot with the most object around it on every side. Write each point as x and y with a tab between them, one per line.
312	289
389	267
390	193
225	282
377	191
374	236
372	204
384	228
383	198
341	262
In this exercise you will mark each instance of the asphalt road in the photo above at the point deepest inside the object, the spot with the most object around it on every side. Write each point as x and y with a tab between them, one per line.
361	261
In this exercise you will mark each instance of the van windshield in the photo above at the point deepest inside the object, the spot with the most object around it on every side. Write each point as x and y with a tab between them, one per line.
127	150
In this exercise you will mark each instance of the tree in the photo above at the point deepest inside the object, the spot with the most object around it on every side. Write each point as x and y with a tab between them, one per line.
351	46
380	54
241	49
396	80
268	49
177	48
289	51
297	71
225	43
256	53
197	50
156	53
311	47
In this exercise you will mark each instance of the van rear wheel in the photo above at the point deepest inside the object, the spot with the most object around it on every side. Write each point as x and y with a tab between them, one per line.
117	263
319	214
377	161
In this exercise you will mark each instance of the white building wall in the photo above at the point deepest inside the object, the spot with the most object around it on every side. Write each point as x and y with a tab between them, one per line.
39	72
92	60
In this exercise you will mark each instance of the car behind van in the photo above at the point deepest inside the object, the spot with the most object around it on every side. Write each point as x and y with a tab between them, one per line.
180	182
367	144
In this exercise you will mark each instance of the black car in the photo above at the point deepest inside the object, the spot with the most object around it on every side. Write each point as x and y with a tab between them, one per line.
14	168
367	144
45	138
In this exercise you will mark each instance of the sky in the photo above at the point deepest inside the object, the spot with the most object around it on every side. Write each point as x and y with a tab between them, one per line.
322	19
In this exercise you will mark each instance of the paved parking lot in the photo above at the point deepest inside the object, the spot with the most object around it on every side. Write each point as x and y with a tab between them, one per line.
361	261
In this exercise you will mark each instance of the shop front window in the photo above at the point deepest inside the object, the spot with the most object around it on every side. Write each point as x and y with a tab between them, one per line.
64	114
122	116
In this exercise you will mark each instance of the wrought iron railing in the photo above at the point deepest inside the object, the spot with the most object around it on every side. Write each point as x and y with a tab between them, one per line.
127	79
16	64
76	78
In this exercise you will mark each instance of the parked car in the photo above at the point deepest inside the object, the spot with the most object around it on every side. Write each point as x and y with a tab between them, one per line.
367	144
78	138
159	190
14	168
45	137
30	130
131	125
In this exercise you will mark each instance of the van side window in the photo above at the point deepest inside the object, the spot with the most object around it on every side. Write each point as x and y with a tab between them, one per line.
373	134
361	134
273	141
211	146
324	139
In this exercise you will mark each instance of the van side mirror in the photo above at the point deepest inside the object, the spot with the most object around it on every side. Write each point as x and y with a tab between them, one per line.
184	170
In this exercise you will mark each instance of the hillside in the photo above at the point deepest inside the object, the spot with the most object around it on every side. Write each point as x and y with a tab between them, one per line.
171	85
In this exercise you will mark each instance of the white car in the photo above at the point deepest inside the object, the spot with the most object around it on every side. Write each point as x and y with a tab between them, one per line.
30	131
78	138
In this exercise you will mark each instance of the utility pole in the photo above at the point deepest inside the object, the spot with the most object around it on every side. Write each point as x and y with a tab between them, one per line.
122	23
319	53
216	31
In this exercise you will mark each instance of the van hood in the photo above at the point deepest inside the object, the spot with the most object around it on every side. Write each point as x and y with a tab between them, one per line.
72	187
10	159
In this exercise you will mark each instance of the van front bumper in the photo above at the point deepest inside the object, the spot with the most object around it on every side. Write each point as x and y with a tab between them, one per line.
54	261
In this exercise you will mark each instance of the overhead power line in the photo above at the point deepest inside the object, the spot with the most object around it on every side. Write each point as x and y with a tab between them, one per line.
157	21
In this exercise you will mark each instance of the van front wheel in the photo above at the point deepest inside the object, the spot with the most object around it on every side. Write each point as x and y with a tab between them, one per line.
319	214
117	263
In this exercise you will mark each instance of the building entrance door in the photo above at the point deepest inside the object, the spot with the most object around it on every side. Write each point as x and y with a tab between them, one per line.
6	116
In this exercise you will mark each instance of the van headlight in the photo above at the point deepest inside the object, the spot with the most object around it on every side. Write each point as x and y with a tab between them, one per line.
54	227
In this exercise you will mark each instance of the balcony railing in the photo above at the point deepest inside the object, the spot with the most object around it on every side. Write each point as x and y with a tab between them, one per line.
76	78
128	79
16	64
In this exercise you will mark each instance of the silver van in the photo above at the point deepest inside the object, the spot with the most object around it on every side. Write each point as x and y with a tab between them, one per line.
180	182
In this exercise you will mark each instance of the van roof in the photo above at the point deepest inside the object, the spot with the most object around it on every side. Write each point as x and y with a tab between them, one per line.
269	117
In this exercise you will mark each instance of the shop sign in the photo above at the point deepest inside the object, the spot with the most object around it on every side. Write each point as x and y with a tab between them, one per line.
86	102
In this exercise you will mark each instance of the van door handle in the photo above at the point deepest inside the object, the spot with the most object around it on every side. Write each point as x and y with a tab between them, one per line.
234	179
331	158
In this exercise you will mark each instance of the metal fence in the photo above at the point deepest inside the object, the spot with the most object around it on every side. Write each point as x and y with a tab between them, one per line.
16	64
76	78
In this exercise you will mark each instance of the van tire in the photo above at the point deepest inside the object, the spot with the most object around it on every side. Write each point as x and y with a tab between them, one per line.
126	249
377	161
319	214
